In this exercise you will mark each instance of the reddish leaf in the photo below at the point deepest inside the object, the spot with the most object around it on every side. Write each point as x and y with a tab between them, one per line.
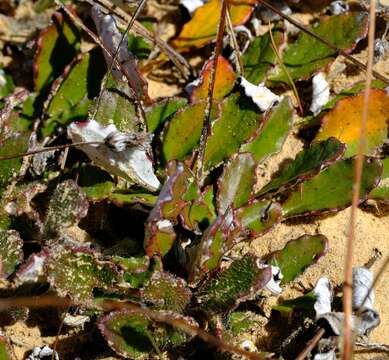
344	122
224	80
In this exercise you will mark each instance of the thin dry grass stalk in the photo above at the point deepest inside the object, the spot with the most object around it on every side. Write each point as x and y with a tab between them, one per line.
208	108
347	287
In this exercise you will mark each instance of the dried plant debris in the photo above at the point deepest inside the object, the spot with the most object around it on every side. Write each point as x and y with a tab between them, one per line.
132	192
117	157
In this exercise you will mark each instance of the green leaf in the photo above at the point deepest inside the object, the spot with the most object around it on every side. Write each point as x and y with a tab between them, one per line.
236	183
75	93
256	218
158	113
240	282
260	56
344	31
183	132
76	272
134	336
199	213
6	84
6	352
214	243
304	303
239	322
307	164
272	132
97	184
117	107
121	199
297	255
381	192
11	253
331	190
57	46
127	333
164	291
15	144
138	46
67	207
238	119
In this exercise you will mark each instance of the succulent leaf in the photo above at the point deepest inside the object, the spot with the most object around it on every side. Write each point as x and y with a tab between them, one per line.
238	119
260	56
224	81
60	40
344	31
134	336
297	255
67	206
307	164
236	183
166	292
159	112
76	272
11	253
240	282
344	122
95	183
75	93
331	190
381	192
201	29
268	138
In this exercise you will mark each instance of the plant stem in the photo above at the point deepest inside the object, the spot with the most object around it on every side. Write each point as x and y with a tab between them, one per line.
348	271
208	108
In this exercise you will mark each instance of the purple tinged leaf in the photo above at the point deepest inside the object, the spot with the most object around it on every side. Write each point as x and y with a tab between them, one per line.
159	232
331	190
213	245
33	270
381	192
236	183
256	218
59	41
135	336
344	31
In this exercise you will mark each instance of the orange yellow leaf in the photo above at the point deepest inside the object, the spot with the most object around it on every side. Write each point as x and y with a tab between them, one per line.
201	29
344	122
224	80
